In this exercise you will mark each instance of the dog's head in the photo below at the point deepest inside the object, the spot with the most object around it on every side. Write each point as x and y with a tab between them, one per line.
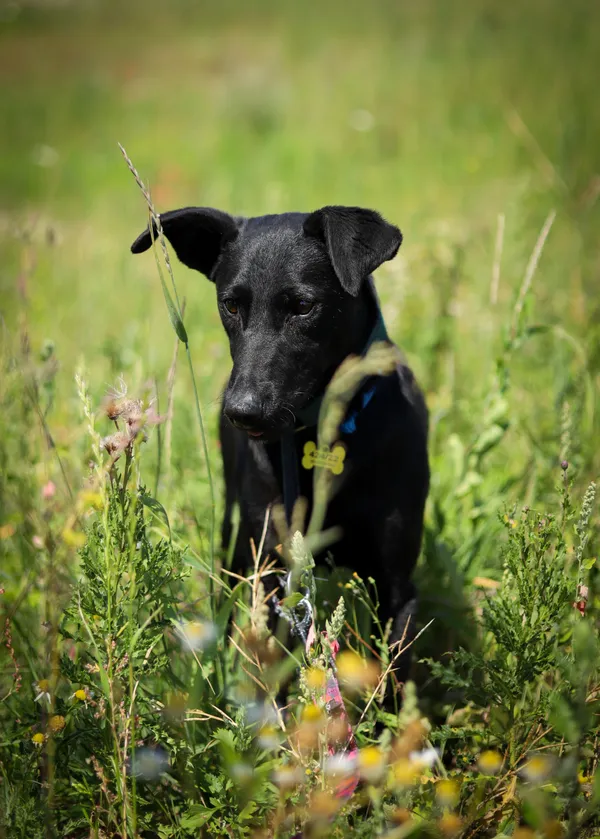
292	297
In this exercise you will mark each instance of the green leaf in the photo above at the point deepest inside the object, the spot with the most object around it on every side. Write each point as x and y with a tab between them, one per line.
292	601
563	719
588	564
222	617
488	439
197	816
157	508
174	317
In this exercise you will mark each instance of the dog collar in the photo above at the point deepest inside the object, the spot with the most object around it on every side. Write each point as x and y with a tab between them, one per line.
308	417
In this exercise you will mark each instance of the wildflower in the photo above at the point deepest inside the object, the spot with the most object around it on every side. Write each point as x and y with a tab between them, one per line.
260	712
38	543
82	695
149	762
355	673
7	530
48	490
401	815
268	737
312	723
450	824
404	773
114	444
447	792
38	739
196	635
523	833
43	690
341	765
426	758
287	777
537	768
56	723
315	678
489	762
241	772
72	538
91	499
312	714
371	763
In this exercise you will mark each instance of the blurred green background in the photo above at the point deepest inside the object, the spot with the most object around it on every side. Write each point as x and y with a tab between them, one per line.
454	119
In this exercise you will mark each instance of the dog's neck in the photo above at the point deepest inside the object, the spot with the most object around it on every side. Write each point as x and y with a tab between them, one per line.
368	315
367	328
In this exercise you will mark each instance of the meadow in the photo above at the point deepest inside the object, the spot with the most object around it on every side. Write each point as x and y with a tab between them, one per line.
137	676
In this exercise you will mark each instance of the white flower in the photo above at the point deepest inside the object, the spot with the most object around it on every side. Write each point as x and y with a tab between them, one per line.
149	762
339	765
426	757
196	635
43	691
287	777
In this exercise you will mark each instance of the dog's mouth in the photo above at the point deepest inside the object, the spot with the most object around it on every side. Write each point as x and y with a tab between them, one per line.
263	432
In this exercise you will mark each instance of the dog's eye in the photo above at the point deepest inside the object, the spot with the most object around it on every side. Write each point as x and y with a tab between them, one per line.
231	305
302	307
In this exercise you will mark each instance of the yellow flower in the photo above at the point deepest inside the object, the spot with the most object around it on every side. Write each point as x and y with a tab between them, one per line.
72	538
447	792
355	673
371	763
80	694
523	833
450	824
312	714
56	723
38	739
404	773
537	768
311	726
315	678
91	499
489	762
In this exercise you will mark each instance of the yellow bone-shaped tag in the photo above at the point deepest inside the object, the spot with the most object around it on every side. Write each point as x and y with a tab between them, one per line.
327	458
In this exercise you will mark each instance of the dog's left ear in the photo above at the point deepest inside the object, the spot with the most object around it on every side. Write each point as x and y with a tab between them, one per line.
357	241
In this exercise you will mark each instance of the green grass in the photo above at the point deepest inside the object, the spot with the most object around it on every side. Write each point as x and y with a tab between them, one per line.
449	118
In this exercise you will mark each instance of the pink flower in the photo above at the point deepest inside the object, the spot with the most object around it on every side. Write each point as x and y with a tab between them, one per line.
49	490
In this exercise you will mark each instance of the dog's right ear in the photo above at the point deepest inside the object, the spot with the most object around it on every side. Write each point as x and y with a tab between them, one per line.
198	235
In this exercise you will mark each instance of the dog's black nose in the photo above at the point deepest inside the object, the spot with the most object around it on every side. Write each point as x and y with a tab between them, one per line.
244	412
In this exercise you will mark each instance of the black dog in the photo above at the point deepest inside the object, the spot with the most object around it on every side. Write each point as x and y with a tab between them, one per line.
296	297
